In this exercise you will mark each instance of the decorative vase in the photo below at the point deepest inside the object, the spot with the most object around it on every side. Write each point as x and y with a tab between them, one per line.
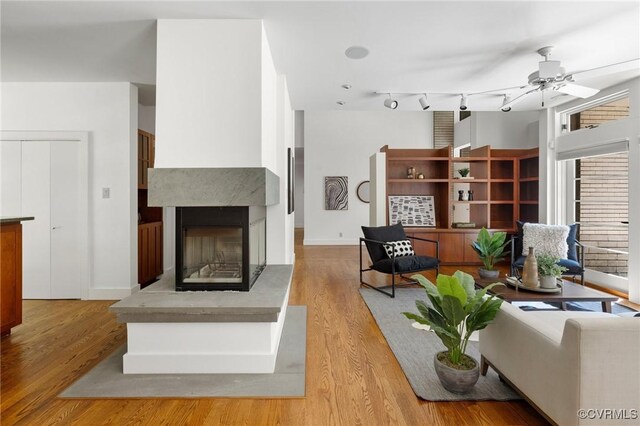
488	274
420	176
411	172
470	197
548	281
460	195
454	380
530	270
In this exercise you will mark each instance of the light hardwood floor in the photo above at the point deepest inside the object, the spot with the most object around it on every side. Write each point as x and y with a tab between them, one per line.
352	375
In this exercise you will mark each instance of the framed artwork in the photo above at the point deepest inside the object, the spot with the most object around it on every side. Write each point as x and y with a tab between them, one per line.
336	193
412	210
291	180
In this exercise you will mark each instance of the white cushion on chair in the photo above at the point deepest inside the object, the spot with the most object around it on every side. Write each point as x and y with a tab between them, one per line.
545	239
402	248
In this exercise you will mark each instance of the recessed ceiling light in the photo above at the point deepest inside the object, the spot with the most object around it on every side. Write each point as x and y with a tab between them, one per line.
356	52
346	86
340	102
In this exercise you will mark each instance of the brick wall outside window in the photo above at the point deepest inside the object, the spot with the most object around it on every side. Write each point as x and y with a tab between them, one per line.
603	191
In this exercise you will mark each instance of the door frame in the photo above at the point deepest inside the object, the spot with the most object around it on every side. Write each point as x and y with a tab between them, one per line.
84	268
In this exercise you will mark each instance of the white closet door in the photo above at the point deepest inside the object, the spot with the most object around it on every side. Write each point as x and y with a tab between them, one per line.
10	176
36	244
65	233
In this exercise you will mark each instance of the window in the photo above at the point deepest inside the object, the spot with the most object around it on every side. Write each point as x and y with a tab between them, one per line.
596	115
601	189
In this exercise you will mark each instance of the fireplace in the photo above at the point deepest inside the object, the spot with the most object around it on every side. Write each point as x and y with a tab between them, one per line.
219	248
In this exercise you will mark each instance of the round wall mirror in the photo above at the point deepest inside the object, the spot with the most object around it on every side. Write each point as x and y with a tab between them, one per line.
363	192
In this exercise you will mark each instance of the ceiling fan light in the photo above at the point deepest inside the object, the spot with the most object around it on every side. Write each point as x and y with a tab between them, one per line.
424	104
391	103
463	102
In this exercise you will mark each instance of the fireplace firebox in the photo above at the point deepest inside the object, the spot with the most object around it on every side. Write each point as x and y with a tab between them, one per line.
219	248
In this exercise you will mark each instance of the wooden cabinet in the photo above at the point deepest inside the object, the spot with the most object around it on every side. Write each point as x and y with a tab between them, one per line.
149	251
149	218
11	279
146	156
504	184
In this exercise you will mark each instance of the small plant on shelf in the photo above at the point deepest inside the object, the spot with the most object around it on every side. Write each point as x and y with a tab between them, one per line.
490	249
464	172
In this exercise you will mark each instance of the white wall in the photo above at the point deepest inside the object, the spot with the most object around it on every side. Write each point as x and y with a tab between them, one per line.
339	143
512	130
209	93
147	118
108	111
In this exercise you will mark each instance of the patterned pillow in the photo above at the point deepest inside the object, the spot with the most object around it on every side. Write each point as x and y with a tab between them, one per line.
545	239
402	248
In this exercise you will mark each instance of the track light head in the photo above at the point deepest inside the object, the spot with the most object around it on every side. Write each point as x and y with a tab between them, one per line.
505	104
390	103
463	102
424	103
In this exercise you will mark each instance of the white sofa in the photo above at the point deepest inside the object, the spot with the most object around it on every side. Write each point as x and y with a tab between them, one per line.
563	362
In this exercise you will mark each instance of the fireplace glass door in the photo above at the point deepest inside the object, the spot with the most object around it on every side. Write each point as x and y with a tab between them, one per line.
212	254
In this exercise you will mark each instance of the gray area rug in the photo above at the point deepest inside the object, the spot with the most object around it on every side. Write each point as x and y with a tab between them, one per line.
415	349
107	381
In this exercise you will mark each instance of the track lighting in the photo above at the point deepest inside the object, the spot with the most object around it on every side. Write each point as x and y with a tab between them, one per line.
463	102
506	107
390	103
423	102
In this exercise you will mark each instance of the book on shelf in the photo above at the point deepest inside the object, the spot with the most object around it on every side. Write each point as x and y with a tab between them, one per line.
464	225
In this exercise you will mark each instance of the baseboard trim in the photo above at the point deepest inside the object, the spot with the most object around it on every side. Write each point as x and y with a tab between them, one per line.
336	242
109	293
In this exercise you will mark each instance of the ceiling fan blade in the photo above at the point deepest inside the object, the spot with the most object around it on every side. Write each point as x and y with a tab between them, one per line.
576	90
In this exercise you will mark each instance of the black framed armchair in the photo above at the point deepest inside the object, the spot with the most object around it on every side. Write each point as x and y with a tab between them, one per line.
388	258
574	262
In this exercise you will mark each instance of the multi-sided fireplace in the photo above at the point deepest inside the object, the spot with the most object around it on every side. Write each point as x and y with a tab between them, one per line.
219	248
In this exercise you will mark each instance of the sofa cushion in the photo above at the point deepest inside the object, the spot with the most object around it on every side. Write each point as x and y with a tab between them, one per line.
406	264
382	233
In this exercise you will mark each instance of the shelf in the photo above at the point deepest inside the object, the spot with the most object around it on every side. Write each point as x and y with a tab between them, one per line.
471	202
418	159
454	180
529	179
502	180
501	202
418	180
468	159
529	202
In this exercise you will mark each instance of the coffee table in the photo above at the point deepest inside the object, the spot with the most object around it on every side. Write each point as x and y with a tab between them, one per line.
571	292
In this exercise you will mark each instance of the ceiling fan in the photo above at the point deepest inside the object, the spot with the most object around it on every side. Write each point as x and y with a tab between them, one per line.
551	76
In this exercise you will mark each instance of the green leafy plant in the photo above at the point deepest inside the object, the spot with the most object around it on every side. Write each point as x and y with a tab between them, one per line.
464	171
456	310
490	248
548	266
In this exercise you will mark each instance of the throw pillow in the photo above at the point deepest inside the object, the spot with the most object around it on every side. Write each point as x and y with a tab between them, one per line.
545	239
572	239
402	248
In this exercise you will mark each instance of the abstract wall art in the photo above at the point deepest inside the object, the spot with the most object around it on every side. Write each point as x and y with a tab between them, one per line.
412	210
336	193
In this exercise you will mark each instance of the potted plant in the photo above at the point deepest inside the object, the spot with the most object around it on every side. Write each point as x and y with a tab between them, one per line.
490	249
549	270
455	312
464	172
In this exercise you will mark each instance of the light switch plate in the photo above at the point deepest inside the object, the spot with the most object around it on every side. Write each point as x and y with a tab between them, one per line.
106	192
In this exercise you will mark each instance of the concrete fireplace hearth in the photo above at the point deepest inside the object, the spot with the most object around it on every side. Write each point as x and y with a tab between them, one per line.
171	331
